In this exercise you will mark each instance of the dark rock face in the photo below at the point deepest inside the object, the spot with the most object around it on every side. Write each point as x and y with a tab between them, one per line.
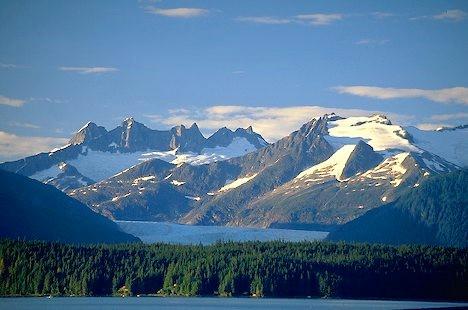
361	159
224	136
32	210
187	139
89	132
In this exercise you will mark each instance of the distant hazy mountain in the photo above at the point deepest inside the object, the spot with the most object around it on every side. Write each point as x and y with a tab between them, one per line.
95	154
31	210
435	213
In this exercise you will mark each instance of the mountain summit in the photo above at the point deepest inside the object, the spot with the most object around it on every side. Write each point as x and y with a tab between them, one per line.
97	154
330	171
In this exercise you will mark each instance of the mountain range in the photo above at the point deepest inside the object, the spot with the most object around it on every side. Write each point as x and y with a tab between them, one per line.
328	173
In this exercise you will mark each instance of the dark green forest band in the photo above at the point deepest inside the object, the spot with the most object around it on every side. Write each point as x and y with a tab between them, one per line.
276	269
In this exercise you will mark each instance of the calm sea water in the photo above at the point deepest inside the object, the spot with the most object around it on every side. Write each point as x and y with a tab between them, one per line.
210	303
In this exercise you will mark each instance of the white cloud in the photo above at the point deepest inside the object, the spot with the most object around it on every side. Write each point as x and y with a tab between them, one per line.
89	70
47	99
453	116
177	12
381	15
371	42
8	66
444	95
12	102
450	15
308	19
271	122
265	20
319	19
13	146
24	125
454	15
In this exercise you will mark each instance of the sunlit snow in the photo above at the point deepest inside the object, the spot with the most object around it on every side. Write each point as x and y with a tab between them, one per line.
374	130
237	183
331	167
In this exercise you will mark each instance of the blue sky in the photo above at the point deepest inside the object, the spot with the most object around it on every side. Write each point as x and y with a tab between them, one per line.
272	64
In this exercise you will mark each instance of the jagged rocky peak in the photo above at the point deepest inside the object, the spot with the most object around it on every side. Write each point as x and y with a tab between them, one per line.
315	126
248	130
333	117
134	134
194	126
130	122
361	159
87	133
184	138
224	136
380	118
181	130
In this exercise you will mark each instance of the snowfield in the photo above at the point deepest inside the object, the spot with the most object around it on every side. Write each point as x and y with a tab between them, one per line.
376	130
152	232
98	165
451	145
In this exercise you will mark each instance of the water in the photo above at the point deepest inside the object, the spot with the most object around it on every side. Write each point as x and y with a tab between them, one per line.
210	303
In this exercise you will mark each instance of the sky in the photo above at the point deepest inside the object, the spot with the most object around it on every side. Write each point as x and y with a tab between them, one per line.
270	64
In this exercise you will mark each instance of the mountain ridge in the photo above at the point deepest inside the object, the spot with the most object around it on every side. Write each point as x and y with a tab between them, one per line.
327	173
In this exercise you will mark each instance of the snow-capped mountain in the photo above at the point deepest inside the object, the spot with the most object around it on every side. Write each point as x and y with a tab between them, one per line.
95	154
329	172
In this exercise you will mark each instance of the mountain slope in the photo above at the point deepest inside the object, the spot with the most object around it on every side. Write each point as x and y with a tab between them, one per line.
200	185
33	211
436	213
98	154
322	175
449	143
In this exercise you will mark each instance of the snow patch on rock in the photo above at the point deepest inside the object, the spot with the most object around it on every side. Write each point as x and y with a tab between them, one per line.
333	166
236	183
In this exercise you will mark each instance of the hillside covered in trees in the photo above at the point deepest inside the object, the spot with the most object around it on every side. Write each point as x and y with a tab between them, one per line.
434	213
276	269
31	210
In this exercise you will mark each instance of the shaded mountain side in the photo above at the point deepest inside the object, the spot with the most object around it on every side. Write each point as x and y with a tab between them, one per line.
32	210
435	213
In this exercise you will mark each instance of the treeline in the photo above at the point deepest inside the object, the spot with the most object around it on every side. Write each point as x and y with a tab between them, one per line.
279	269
